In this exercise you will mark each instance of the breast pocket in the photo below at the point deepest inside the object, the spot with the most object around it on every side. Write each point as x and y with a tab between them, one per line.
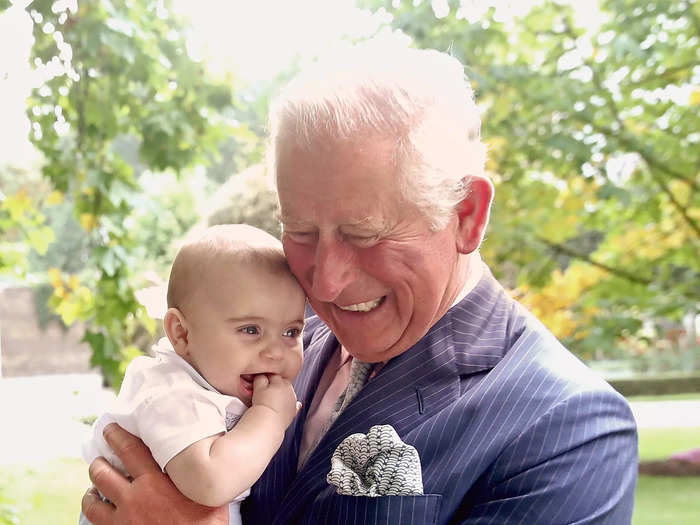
405	510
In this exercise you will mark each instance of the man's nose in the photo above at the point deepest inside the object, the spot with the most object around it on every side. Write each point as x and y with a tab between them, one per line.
332	269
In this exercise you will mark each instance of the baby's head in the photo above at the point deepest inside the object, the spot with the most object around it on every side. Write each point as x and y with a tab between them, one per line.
234	308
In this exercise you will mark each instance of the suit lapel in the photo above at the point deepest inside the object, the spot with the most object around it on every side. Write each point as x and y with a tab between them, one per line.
411	388
467	342
280	472
320	351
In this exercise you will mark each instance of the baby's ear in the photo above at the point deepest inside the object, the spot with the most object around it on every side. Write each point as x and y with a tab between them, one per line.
175	326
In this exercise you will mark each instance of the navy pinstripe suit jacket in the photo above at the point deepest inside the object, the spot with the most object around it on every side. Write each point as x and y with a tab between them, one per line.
510	428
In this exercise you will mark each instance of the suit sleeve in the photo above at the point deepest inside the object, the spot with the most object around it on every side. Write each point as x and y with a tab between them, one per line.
575	464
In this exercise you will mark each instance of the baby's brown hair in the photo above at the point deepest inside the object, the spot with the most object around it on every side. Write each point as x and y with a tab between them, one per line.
236	244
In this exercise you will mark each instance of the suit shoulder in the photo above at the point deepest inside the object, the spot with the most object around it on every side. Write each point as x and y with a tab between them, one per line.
540	373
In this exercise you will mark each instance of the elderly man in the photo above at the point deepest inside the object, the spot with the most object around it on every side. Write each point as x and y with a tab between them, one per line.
384	203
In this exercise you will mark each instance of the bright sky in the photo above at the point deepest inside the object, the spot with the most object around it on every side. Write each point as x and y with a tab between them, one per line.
16	82
258	39
253	39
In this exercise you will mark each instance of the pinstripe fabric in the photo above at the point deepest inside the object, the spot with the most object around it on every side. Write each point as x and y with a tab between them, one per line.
510	428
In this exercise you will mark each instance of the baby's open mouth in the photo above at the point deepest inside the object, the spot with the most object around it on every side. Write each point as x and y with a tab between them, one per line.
247	384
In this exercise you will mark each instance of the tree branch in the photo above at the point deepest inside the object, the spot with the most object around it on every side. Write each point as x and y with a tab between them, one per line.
679	207
653	163
654	167
670	72
565	250
690	13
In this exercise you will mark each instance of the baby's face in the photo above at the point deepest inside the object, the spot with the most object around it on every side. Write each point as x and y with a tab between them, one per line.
245	321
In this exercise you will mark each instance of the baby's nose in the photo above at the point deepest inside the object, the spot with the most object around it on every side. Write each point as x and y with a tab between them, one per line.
273	351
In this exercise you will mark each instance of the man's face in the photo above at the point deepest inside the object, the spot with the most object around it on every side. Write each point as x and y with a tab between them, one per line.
368	261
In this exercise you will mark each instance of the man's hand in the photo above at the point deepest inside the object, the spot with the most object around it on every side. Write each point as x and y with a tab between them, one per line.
150	498
277	394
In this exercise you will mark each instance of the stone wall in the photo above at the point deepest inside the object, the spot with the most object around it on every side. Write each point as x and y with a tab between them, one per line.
26	349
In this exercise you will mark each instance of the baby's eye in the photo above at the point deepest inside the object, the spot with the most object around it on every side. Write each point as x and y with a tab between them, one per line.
292	332
250	330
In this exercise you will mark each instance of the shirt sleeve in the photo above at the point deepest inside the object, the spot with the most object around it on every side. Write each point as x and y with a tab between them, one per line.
170	421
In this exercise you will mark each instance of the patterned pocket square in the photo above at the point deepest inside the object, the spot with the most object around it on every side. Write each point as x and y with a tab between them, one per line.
376	464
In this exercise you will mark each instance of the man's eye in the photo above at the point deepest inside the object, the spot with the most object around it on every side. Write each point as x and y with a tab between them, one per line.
292	332
250	330
300	237
362	240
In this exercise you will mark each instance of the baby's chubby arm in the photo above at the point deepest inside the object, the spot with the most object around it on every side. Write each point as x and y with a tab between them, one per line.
214	470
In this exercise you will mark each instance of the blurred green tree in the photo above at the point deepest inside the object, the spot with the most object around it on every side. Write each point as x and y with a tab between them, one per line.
8	511
593	139
118	75
23	227
247	198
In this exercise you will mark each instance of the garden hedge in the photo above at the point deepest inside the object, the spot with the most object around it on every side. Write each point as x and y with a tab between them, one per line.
657	385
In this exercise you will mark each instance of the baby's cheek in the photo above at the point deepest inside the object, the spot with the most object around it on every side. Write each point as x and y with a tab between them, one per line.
296	363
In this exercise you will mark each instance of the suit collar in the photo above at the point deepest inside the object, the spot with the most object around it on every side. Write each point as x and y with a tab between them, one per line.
409	389
320	347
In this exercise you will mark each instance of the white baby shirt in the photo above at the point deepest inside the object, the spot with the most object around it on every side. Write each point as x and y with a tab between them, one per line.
169	405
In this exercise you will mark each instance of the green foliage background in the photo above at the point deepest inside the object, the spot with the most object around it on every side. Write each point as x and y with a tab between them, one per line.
124	109
593	142
597	211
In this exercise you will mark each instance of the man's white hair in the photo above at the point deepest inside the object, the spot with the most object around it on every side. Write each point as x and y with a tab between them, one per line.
420	98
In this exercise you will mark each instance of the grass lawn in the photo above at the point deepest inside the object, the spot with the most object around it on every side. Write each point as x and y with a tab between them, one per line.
46	493
667	501
660	443
51	492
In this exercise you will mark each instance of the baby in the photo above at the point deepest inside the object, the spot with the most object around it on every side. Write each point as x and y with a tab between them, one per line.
214	402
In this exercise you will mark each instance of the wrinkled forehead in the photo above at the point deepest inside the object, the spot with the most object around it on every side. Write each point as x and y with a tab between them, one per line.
333	159
340	169
354	189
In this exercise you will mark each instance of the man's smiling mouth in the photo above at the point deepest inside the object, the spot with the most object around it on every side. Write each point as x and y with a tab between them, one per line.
367	306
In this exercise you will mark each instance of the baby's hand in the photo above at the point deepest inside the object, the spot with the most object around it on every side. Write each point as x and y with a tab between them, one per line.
277	394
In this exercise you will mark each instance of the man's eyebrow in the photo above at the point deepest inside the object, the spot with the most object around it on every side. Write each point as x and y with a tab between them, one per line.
286	219
368	223
359	222
365	222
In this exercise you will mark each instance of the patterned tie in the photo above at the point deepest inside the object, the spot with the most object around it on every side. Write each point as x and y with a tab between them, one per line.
359	373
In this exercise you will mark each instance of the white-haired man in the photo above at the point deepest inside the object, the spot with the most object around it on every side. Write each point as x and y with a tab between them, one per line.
384	203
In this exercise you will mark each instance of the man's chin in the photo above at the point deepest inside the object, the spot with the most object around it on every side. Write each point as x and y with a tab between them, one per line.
370	351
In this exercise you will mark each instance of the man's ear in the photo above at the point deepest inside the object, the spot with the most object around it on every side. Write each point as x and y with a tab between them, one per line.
473	213
175	326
